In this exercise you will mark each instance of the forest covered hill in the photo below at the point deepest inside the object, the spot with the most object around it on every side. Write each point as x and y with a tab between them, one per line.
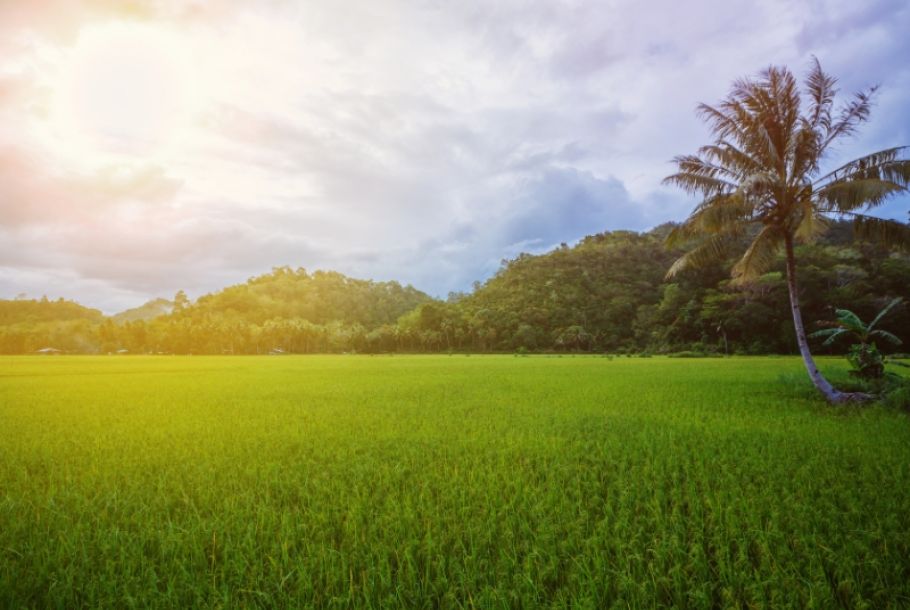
147	311
605	294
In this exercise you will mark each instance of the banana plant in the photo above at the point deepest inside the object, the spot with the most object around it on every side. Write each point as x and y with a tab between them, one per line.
867	361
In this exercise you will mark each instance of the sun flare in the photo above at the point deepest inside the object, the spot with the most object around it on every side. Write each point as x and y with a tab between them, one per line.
125	91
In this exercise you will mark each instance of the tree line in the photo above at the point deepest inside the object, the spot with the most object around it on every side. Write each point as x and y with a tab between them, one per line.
606	294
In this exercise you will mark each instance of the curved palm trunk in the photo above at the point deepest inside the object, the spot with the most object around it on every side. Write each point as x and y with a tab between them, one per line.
831	394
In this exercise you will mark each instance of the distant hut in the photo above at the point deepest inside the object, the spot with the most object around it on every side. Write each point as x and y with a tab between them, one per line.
49	351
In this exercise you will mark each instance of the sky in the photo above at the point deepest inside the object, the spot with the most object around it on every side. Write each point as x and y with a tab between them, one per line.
153	146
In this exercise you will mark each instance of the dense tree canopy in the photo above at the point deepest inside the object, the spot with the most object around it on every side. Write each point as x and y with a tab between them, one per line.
605	294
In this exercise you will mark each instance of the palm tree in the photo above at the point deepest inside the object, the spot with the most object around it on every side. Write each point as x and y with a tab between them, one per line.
762	183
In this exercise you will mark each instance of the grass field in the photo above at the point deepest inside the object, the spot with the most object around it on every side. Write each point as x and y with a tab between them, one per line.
444	481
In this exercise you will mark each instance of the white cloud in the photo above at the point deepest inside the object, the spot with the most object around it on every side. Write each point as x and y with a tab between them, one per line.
415	141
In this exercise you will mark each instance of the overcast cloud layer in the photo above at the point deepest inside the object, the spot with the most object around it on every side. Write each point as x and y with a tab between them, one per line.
417	141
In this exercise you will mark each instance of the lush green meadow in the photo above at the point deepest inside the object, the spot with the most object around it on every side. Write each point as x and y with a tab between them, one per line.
444	481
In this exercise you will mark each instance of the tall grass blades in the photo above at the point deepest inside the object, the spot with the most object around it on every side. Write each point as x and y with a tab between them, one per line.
426	482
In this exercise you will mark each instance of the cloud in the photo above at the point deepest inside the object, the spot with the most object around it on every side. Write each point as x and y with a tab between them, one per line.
30	194
565	205
422	142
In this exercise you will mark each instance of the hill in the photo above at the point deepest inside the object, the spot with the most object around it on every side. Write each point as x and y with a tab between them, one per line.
605	294
36	311
148	311
608	293
27	325
320	297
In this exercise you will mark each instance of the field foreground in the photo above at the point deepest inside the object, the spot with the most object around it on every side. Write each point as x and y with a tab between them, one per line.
443	481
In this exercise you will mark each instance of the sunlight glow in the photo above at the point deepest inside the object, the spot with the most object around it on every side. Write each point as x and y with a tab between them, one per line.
125	91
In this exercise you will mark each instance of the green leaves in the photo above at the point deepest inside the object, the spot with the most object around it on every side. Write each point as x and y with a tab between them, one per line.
831	333
864	182
888	233
715	224
693	182
822	90
758	175
884	334
867	361
850	321
710	250
849	195
851	115
759	256
812	225
894	303
866	166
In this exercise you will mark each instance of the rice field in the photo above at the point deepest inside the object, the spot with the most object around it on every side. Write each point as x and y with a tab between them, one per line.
444	482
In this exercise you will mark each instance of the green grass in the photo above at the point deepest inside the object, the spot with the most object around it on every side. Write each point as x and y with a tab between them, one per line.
443	481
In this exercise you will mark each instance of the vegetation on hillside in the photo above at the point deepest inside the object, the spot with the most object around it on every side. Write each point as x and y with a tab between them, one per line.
767	206
605	294
147	311
27	325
